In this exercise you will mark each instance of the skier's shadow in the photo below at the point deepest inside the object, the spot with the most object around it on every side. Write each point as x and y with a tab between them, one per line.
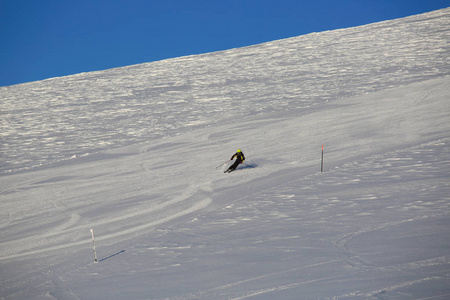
120	252
247	166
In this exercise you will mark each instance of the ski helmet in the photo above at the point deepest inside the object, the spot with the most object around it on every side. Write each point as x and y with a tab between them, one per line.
239	150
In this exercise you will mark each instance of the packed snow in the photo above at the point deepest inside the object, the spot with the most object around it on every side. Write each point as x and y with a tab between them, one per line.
137	154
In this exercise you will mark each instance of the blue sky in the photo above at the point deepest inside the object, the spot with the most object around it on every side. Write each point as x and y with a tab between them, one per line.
44	39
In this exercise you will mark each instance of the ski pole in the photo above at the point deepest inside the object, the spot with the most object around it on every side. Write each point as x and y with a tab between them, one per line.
223	163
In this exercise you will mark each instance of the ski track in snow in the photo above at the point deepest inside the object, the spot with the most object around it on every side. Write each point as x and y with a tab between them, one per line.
169	225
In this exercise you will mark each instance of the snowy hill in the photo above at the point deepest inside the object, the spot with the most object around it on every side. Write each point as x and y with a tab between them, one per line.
132	153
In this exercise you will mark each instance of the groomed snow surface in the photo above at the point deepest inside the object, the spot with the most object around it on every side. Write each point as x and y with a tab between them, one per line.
135	153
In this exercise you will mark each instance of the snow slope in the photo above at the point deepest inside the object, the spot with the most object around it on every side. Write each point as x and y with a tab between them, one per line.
132	153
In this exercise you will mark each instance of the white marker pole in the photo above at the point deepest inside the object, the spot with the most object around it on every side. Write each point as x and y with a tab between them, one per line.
93	244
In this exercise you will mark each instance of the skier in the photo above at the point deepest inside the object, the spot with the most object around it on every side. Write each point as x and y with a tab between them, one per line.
239	160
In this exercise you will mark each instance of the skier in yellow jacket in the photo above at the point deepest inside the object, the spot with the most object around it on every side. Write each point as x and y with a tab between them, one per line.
239	155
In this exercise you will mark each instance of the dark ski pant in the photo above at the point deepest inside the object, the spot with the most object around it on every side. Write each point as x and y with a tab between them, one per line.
234	166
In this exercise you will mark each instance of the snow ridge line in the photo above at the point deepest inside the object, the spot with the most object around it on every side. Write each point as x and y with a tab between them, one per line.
378	293
241	282
284	287
64	229
197	206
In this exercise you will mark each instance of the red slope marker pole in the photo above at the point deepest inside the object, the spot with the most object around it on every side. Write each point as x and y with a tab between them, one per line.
321	163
